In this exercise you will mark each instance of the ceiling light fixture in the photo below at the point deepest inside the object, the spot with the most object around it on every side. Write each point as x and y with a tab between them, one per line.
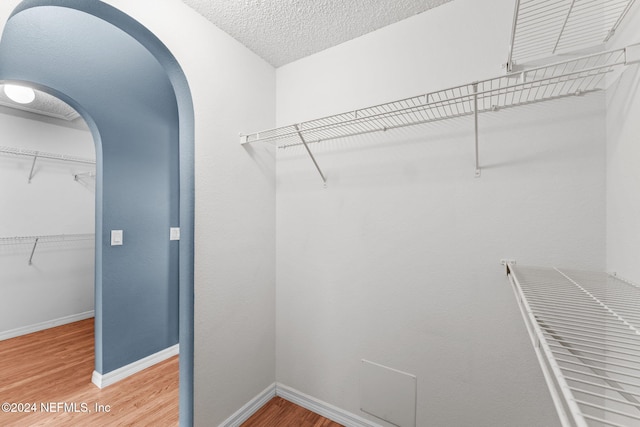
19	94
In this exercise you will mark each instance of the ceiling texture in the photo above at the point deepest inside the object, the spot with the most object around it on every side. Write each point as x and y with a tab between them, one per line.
282	31
44	104
279	31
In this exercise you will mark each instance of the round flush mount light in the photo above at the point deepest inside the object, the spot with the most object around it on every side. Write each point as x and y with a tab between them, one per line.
19	94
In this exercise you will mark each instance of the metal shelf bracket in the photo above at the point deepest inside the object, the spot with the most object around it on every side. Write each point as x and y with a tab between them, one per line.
313	159
475	125
33	250
43	239
77	176
33	165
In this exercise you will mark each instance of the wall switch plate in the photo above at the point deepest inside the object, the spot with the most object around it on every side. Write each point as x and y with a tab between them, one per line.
116	237
174	233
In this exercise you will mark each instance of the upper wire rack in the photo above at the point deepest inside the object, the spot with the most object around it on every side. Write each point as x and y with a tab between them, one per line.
567	78
542	28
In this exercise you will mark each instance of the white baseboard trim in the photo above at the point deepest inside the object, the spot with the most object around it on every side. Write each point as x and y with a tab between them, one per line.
45	325
327	410
250	408
104	380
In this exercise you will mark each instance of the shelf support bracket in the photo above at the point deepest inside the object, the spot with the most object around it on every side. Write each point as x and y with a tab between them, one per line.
33	250
509	65
306	146
33	165
77	176
564	25
475	122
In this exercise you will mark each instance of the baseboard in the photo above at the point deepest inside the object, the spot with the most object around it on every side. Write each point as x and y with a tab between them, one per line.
104	380
45	325
327	410
250	408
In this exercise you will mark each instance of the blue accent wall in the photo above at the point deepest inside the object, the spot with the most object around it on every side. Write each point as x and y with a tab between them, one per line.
135	99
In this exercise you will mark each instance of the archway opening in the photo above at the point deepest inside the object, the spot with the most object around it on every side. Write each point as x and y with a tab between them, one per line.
136	101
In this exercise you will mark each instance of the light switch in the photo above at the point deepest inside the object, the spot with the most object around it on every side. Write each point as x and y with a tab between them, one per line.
116	237
174	233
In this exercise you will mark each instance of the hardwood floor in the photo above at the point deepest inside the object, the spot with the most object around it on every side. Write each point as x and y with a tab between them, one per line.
52	368
282	413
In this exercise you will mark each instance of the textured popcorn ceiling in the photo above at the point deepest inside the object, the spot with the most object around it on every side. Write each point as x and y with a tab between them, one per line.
281	31
44	104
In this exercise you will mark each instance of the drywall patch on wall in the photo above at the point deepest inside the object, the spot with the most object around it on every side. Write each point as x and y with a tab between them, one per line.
388	394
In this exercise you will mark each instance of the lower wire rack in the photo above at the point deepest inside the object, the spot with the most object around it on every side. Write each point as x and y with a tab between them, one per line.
585	327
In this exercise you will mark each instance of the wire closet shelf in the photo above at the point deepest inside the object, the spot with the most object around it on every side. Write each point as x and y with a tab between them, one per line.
44	155
567	78
542	28
51	238
585	328
35	155
572	77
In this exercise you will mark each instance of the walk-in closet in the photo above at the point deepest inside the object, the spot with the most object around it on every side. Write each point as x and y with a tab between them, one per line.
47	217
367	214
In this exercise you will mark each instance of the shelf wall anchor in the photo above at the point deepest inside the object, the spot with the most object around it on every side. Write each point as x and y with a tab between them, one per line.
324	180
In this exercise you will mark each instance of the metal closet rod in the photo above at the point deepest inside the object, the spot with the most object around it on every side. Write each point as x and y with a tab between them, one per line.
44	239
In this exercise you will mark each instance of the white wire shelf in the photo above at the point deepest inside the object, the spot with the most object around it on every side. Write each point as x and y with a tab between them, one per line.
543	28
52	238
562	79
585	328
35	155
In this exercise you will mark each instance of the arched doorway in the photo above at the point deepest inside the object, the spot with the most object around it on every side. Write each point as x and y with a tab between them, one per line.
133	95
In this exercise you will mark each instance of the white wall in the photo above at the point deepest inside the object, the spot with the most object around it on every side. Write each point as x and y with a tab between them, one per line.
60	282
397	261
623	161
233	90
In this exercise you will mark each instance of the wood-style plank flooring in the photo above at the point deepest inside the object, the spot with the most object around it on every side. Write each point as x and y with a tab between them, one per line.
282	413
54	367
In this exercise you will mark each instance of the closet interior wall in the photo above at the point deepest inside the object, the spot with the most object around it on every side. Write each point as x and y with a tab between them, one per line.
59	284
397	261
623	161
